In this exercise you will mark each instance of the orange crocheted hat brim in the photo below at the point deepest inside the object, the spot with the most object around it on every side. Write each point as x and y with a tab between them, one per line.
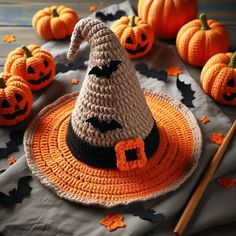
50	159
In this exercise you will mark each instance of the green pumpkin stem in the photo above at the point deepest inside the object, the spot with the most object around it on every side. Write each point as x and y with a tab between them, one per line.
232	62
2	82
203	19
132	21
27	51
54	13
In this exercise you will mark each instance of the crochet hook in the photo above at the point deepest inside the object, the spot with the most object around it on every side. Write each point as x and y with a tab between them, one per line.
192	204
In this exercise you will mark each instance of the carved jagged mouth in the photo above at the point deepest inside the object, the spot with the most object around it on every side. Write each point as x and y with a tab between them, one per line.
229	97
15	114
41	79
138	50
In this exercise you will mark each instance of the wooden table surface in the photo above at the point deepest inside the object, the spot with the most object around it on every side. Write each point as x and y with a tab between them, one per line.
16	16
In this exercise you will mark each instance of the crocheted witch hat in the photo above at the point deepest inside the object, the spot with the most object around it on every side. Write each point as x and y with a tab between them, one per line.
112	143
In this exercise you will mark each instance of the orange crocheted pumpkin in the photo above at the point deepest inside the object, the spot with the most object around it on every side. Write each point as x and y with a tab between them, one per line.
200	39
15	99
34	64
167	16
218	78
135	35
55	22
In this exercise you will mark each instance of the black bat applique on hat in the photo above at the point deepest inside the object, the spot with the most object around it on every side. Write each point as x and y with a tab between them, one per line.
16	138
110	16
104	126
106	70
17	195
186	91
143	69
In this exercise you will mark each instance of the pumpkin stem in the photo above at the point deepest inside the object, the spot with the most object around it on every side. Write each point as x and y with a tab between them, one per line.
132	21
232	62
27	51
203	19
2	82
54	13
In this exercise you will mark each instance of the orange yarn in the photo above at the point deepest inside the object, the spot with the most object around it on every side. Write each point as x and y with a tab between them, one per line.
162	172
126	145
217	138
204	120
112	222
226	182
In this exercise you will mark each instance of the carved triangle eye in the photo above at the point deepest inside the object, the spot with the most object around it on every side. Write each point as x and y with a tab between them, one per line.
143	37
5	104
45	62
18	97
231	83
129	40
30	70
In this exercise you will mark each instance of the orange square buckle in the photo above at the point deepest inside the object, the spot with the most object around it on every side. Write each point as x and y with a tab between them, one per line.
125	145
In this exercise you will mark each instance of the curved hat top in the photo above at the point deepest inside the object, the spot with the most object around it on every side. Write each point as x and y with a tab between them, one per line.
111	105
112	143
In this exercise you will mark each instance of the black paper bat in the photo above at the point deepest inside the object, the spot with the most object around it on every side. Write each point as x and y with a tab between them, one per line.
16	138
110	16
146	214
143	69
2	170
106	70
17	195
103	126
186	91
79	63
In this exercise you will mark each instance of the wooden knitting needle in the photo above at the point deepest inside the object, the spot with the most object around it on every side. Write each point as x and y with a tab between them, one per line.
192	204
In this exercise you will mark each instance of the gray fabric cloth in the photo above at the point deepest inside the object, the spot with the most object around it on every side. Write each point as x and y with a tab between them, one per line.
43	213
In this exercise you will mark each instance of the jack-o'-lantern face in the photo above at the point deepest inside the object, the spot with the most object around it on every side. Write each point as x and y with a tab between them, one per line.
33	64
135	35
15	100
229	94
41	73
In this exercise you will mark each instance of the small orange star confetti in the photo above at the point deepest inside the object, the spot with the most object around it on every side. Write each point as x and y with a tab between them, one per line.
74	81
112	222
174	71
9	38
217	138
204	119
226	182
93	8
11	160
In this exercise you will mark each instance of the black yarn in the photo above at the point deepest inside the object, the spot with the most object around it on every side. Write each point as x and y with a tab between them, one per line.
105	157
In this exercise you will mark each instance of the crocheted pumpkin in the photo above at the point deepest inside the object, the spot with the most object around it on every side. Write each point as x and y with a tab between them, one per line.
218	78
32	63
135	35
55	22
15	99
167	16
200	39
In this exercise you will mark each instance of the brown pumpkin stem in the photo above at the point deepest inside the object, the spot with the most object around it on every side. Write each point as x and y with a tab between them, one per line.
232	62
54	13
203	19
132	21
2	82
27	51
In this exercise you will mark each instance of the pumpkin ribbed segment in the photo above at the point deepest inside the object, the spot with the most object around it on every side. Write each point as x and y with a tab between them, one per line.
15	99
32	63
135	35
167	16
55	22
196	45
218	78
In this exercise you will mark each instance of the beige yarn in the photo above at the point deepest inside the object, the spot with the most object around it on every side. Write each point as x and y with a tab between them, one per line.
119	98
